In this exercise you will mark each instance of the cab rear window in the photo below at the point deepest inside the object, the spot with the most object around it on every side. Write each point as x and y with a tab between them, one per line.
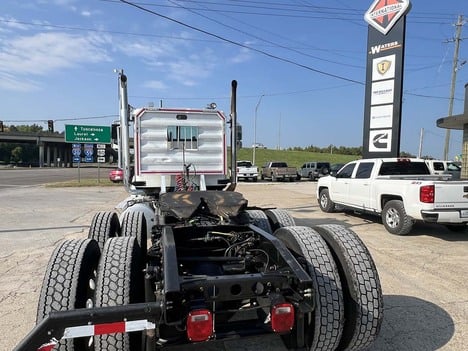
403	168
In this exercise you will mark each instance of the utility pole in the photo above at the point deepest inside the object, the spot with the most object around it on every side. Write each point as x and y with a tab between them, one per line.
457	40
279	133
421	138
254	146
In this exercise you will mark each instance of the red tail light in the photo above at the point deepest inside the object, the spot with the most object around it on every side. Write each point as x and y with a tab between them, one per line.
282	317
426	194
199	325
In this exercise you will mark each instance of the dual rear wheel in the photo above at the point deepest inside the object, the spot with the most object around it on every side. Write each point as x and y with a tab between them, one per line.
104	270
348	300
348	296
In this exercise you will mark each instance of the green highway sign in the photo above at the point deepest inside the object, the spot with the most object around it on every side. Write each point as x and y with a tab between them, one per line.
87	134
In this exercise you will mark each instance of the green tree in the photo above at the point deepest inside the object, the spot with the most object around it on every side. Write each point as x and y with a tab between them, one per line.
16	154
27	129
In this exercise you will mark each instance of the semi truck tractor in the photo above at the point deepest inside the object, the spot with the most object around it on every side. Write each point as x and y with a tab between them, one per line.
186	263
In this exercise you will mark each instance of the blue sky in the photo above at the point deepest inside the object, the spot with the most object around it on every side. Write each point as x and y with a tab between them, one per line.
57	61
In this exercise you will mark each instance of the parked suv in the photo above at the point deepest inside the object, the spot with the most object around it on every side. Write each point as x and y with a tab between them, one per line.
314	170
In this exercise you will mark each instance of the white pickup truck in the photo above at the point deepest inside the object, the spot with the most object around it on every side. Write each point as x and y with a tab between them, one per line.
246	170
401	191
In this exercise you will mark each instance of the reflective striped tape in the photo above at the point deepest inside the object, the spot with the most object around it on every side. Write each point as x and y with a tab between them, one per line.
107	328
99	329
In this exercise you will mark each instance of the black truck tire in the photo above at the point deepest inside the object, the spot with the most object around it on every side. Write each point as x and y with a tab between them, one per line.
134	224
66	284
395	219
360	281
279	218
259	219
324	329
119	282
325	203
105	225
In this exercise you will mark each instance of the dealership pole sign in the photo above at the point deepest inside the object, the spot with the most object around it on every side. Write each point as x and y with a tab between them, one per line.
384	77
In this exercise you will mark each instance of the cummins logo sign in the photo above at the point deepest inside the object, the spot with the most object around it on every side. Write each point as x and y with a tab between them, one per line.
383	14
380	140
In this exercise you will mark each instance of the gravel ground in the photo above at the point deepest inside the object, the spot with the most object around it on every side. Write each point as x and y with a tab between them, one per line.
423	275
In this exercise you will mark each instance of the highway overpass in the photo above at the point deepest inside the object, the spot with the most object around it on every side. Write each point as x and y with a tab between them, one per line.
53	150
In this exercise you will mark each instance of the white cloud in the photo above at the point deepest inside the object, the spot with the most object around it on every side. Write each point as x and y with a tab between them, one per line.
24	57
57	2
172	58
155	84
11	83
244	55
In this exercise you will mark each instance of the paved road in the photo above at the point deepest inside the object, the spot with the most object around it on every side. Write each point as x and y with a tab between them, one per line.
11	178
424	275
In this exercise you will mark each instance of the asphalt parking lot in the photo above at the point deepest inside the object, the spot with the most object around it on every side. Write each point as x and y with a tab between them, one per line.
423	275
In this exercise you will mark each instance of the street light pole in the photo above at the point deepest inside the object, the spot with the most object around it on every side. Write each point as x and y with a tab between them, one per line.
254	146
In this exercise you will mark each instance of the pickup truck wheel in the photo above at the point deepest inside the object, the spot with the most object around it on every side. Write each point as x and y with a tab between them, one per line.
362	291
104	225
259	219
120	282
324	325
68	284
134	224
325	203
395	219
279	218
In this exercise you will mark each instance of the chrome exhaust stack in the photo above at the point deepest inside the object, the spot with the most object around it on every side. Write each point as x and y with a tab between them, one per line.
234	133
124	145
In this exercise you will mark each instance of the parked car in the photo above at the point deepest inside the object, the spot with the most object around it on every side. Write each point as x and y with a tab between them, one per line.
258	146
116	175
314	170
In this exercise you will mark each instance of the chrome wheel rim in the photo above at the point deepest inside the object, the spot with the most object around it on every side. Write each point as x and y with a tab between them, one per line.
392	218
323	201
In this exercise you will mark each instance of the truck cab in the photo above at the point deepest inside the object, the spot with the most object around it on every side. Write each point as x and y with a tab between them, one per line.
171	144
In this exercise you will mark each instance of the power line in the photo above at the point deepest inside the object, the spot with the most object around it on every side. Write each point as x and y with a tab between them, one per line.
56	26
240	44
170	37
267	41
304	8
44	120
